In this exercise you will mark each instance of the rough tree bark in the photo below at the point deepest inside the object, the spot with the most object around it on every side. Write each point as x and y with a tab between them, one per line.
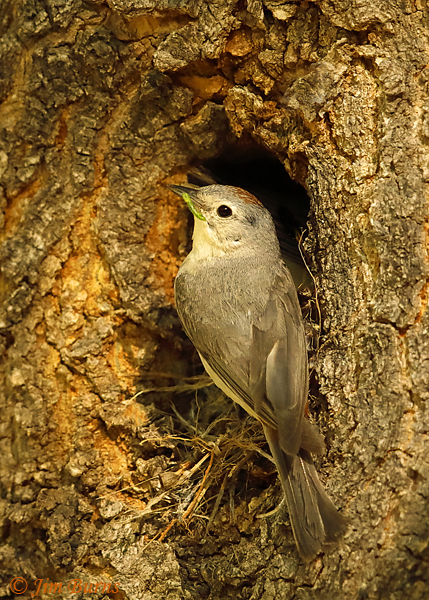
103	104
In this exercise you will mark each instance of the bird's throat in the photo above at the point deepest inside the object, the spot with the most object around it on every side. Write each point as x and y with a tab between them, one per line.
204	245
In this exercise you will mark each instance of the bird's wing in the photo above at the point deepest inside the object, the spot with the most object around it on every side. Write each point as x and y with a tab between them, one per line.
278	335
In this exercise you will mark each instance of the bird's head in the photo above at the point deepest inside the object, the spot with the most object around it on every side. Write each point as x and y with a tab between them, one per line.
228	220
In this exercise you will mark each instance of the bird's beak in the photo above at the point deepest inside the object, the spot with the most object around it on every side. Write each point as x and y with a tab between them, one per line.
191	196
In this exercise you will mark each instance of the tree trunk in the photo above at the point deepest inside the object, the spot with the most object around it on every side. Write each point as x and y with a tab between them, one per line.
103	105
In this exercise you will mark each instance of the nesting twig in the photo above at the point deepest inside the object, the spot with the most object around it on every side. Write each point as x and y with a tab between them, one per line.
201	382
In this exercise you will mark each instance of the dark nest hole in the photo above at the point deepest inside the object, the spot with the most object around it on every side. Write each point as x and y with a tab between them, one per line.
204	466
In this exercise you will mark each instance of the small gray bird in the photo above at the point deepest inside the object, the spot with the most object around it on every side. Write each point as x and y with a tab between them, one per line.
238	305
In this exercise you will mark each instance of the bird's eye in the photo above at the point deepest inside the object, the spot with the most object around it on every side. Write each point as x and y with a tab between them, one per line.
224	211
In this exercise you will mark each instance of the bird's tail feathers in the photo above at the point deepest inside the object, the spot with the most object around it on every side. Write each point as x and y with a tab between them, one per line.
314	518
